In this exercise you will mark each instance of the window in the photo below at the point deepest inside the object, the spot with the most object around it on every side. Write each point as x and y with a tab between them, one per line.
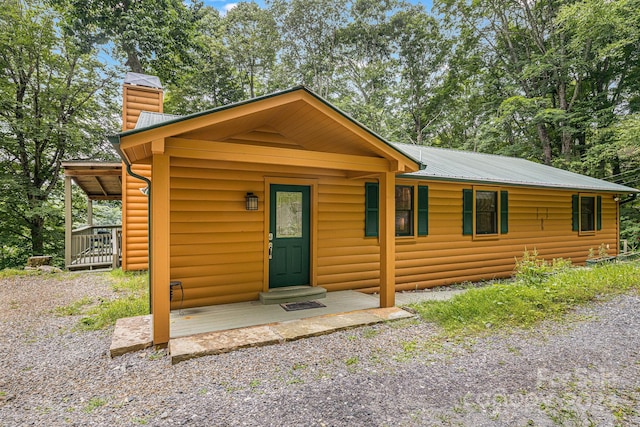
486	212
587	213
489	209
409	210
404	210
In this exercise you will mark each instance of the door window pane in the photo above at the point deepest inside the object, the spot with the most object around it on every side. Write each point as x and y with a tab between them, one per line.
486	212
288	214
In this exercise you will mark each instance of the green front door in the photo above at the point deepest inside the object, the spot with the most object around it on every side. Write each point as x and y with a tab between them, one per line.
289	236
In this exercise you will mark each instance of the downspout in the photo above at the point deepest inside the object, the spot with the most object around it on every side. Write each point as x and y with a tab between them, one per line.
115	141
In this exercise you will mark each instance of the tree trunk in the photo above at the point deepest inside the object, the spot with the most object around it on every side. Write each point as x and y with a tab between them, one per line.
133	62
546	143
567	136
36	226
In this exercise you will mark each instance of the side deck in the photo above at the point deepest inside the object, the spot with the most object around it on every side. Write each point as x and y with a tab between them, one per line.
95	247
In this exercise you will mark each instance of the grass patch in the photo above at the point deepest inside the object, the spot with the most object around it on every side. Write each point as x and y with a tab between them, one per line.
73	309
13	272
94	403
532	297
132	300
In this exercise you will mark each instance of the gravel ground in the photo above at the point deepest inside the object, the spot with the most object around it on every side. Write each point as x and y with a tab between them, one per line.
582	371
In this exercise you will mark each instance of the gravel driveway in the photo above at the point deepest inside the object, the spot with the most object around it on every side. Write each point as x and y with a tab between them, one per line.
585	370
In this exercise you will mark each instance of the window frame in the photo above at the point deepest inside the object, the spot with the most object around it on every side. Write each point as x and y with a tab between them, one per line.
577	213
412	211
470	212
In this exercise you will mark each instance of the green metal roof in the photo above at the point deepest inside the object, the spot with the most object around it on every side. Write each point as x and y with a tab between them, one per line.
455	165
148	119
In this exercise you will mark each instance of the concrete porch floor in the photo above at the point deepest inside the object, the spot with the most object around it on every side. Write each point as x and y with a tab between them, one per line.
218	329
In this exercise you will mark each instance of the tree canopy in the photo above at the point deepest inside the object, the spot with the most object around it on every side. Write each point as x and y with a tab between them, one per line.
556	82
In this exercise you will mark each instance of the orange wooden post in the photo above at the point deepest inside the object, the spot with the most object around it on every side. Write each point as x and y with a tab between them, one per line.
387	239
159	260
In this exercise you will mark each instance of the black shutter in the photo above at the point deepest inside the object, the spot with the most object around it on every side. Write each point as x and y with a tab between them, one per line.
467	212
423	210
371	202
504	212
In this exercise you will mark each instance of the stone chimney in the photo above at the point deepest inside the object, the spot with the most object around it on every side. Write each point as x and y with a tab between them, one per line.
140	93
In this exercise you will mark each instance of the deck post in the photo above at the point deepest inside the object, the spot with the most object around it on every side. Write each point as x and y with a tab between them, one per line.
387	239
89	212
68	221
159	257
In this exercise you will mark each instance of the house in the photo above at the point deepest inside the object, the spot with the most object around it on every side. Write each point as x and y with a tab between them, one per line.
286	190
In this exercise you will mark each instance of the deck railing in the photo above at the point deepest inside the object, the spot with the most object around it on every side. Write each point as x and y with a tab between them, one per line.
96	247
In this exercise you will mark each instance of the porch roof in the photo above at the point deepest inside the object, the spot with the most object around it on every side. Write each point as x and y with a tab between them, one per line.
99	180
294	121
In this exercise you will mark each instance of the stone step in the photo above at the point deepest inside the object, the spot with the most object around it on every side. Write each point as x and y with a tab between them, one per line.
292	294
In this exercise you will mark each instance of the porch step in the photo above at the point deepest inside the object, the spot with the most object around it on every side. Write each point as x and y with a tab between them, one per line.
292	294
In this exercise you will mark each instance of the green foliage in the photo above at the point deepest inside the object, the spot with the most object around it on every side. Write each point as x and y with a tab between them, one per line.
73	309
56	101
524	304
133	300
94	403
10	272
532	269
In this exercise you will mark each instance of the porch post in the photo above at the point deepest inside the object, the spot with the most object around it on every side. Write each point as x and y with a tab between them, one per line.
90	213
387	239
159	256
68	221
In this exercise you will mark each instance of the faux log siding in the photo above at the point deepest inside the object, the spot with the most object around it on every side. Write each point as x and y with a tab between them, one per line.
216	245
346	259
135	208
538	219
135	217
136	99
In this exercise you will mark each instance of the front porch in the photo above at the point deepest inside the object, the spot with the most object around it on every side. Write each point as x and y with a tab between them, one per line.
222	328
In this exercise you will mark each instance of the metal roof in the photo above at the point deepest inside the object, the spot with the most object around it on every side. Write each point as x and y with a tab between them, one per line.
138	79
455	165
148	118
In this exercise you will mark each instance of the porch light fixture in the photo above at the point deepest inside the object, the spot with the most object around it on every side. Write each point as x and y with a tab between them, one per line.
616	198
145	190
252	202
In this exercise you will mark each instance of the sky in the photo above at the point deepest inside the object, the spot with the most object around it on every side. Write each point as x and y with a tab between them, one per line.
225	5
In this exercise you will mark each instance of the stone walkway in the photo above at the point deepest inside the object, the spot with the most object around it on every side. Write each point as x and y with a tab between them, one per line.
134	334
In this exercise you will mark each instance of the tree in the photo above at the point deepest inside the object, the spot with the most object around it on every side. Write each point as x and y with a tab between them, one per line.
422	53
365	66
150	36
55	102
252	39
309	31
210	80
566	63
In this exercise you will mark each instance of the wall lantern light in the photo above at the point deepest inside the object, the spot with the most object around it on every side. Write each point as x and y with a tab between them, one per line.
252	202
616	198
145	190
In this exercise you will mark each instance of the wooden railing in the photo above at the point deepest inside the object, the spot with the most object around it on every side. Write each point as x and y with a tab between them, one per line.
97	246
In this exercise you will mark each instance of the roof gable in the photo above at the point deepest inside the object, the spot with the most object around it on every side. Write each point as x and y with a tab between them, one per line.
295	119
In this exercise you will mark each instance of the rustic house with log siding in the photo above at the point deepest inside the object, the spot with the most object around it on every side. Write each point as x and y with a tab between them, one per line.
286	190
